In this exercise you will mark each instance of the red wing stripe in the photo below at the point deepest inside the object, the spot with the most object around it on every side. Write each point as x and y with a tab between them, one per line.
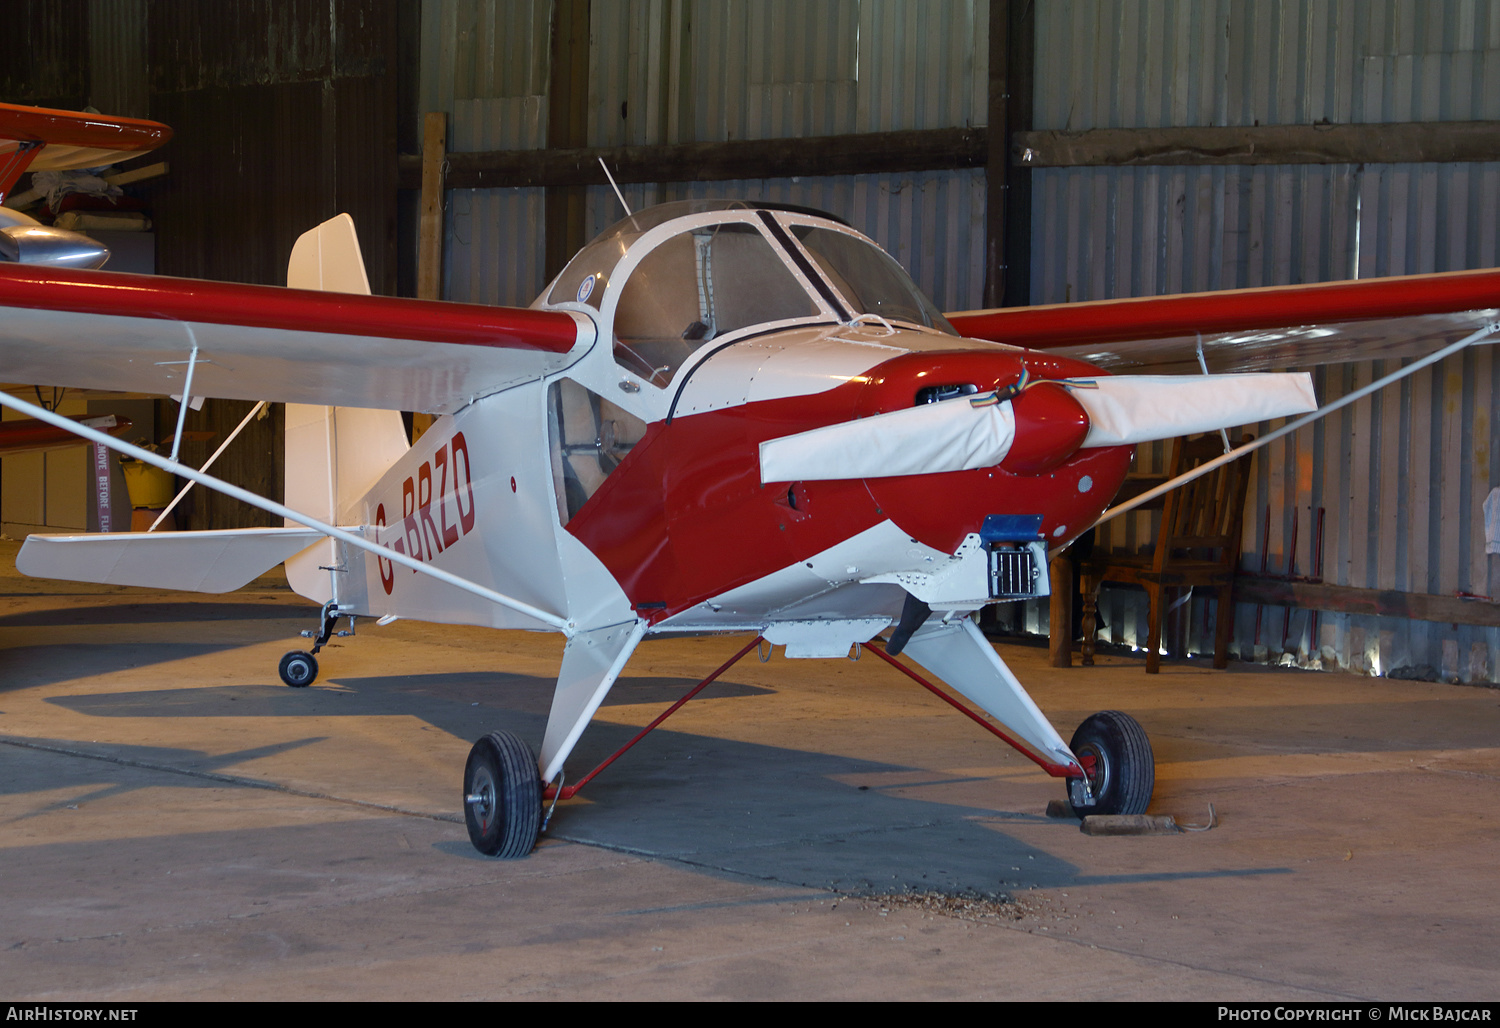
1162	317
226	303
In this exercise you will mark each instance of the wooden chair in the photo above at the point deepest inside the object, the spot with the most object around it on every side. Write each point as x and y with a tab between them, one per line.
1198	545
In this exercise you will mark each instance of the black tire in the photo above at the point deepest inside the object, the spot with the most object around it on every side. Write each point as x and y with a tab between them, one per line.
502	797
298	669
1124	769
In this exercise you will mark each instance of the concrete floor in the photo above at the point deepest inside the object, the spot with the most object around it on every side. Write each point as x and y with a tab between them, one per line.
174	823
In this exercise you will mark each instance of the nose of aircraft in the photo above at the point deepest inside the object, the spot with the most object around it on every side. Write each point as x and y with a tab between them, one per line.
960	410
1050	427
996	408
957	410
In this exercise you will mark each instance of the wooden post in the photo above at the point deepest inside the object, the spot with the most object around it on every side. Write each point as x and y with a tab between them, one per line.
430	238
1060	630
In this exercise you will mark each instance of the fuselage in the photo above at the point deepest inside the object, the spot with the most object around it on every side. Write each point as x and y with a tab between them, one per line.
685	517
720	328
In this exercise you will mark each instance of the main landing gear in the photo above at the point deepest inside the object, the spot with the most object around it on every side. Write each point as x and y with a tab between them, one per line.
502	796
1116	755
299	668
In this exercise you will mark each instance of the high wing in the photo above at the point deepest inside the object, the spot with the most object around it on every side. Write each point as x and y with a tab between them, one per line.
1253	329
142	333
63	326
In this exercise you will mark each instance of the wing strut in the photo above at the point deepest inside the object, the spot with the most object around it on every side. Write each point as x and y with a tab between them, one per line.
1480	335
271	506
260	406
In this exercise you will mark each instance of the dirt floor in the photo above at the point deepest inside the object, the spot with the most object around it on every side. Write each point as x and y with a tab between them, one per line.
175	823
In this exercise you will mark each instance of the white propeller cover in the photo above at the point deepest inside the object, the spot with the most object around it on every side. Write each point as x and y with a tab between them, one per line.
962	434
950	436
1139	408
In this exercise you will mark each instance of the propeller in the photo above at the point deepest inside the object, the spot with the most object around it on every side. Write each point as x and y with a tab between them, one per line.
1033	426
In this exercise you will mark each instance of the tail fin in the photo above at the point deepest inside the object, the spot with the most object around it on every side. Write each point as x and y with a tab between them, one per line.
334	455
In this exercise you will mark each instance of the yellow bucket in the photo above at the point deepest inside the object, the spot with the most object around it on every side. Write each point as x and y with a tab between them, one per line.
148	486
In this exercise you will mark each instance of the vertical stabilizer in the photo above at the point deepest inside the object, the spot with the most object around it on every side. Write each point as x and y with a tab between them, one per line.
334	455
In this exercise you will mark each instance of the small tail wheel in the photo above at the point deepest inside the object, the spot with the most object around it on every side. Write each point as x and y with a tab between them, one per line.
502	796
298	669
1116	755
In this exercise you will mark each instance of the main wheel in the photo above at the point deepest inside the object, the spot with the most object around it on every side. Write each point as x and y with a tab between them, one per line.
298	669
1115	752
502	796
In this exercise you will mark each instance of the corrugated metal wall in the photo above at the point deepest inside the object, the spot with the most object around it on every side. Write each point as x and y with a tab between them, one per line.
1401	476
284	114
666	71
43	54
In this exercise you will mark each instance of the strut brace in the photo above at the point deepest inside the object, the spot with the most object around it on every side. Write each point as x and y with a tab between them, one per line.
569	791
1053	768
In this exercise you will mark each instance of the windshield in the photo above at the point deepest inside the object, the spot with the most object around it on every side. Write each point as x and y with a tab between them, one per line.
869	278
696	286
588	272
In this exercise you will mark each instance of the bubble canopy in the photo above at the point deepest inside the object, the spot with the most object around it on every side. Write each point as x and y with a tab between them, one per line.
761	264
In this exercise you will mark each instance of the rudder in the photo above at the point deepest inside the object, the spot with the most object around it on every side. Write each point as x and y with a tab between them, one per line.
334	455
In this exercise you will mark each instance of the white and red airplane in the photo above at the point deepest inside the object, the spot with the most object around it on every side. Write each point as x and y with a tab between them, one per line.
721	417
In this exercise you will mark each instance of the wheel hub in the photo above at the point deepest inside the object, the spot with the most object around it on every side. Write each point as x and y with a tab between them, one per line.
481	797
1096	767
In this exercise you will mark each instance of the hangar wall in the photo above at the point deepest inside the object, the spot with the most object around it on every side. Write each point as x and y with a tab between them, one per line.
667	71
1397	479
1401	476
284	114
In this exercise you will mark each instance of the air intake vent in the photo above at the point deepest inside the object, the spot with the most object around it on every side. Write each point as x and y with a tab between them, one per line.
933	394
1014	573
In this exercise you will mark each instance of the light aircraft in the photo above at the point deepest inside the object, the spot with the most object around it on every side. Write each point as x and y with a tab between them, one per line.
720	417
37	139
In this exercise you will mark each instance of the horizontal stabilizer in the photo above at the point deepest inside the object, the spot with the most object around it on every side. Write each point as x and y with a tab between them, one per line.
205	562
1139	408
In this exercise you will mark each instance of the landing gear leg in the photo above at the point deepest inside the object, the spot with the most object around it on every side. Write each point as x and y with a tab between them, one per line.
299	668
502	796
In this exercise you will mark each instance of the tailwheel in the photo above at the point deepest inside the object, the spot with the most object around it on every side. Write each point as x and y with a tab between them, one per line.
298	669
1116	755
502	796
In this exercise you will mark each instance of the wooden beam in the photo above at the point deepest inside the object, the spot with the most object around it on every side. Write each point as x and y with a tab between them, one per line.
941	149
1404	142
134	175
1378	602
860	154
1060	611
430	238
